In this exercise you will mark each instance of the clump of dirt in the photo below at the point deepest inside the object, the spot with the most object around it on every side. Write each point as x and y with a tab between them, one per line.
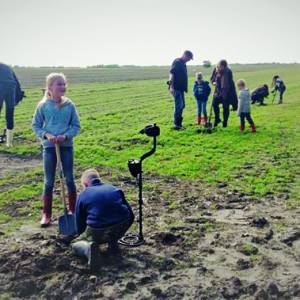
201	243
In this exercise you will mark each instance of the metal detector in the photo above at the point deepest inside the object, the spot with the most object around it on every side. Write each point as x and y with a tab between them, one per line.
208	128
275	93
136	170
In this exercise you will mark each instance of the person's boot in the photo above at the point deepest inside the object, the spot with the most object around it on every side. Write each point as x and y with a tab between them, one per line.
198	120
89	250
47	211
224	124
253	128
242	128
9	137
113	247
205	120
72	201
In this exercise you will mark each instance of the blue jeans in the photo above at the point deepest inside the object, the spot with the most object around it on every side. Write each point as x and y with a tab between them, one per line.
7	95
179	107
49	159
201	105
247	116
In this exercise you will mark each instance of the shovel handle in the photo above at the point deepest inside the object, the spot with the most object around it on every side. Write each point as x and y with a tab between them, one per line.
61	178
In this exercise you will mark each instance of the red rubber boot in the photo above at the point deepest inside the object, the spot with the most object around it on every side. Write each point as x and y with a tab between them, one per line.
242	128
253	127
72	202
198	120
47	211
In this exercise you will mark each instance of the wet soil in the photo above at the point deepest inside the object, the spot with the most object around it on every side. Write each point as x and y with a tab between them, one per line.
201	243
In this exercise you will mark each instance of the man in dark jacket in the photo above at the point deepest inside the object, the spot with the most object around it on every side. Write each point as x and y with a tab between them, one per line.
11	94
178	85
259	94
102	215
7	95
225	92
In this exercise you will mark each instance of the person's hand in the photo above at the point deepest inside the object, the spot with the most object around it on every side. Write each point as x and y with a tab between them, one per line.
60	138
51	138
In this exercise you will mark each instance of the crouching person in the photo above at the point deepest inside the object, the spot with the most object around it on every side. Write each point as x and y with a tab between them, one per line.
102	215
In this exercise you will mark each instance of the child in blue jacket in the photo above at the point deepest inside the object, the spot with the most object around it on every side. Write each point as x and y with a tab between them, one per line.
278	85
56	122
201	92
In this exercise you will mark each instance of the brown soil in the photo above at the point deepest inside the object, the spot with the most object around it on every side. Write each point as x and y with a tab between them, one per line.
202	243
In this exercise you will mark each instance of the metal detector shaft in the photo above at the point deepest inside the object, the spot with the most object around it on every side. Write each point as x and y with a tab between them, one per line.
140	179
152	151
274	96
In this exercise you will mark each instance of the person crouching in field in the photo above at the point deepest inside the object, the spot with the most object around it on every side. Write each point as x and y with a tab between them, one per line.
279	86
102	215
201	92
244	105
56	121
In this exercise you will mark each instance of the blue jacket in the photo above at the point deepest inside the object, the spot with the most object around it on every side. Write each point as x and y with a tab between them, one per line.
202	90
49	118
101	205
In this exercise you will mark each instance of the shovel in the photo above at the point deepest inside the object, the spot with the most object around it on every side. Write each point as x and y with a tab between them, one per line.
67	222
208	128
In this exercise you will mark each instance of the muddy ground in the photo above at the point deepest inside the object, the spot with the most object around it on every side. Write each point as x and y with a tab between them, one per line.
202	243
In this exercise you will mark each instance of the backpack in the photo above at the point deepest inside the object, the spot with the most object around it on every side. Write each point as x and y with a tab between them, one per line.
20	94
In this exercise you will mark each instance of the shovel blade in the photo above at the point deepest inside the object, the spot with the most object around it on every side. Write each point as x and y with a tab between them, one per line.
67	225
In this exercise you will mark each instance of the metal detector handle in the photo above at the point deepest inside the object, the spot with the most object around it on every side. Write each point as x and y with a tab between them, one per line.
152	151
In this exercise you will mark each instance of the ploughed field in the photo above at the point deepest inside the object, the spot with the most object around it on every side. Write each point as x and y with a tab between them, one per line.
221	210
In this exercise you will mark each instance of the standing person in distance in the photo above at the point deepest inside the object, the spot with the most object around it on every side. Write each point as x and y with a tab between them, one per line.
10	94
278	85
244	106
201	92
225	92
178	85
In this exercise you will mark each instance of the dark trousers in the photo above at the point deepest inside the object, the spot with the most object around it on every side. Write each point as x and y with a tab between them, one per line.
179	107
281	92
248	117
7	95
216	102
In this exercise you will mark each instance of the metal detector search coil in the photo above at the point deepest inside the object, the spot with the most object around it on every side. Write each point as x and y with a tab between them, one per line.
136	170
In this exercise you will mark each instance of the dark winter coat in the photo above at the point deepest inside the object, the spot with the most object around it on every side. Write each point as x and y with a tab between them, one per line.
225	87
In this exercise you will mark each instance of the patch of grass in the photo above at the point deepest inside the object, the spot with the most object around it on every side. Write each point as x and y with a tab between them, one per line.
113	113
249	249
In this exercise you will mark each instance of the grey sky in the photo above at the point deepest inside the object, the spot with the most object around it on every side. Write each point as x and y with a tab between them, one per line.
147	32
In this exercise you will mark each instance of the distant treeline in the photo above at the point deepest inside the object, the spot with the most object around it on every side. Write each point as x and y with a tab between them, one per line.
35	77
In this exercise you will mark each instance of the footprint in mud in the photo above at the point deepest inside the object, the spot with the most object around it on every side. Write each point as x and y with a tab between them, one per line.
12	164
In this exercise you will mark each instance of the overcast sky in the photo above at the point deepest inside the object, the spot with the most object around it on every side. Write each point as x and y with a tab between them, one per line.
147	32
